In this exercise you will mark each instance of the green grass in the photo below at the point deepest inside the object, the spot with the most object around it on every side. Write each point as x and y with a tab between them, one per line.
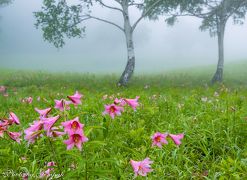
215	143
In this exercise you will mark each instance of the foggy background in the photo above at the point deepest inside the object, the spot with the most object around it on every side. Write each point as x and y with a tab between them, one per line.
158	47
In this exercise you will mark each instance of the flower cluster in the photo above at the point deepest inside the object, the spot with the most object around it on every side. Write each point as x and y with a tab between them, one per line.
118	106
6	123
160	138
43	112
74	129
65	105
141	167
46	124
43	124
50	168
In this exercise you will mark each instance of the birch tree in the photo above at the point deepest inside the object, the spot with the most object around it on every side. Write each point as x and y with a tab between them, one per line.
214	14
59	19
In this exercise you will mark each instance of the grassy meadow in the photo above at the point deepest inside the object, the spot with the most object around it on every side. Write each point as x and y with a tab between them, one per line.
212	119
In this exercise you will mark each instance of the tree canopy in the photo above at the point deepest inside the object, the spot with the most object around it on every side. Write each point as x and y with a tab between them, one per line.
5	2
59	19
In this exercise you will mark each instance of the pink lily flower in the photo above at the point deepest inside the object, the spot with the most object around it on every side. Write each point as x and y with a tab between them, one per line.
24	176
45	174
76	98
75	140
13	118
55	132
159	139
132	102
73	126
113	110
62	104
3	127
48	123
176	138
52	163
29	100
34	131
119	102
3	89
15	136
43	112
141	167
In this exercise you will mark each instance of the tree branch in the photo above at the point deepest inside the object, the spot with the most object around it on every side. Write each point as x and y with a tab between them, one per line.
110	7
144	14
106	21
136	4
231	12
199	15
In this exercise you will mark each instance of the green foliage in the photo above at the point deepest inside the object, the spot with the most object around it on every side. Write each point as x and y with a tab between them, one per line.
213	13
58	20
4	2
164	8
214	146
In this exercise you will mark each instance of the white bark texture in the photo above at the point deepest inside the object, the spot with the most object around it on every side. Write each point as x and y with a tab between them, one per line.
218	76
128	31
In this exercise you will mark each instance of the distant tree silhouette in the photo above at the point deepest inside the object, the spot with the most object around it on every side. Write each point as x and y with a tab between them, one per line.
214	15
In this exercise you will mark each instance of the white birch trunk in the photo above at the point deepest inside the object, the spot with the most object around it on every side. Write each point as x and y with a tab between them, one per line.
218	76
128	32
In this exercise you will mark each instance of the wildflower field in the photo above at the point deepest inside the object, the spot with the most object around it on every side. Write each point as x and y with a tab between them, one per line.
80	126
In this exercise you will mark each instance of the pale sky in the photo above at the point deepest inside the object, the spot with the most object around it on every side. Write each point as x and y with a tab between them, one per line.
158	46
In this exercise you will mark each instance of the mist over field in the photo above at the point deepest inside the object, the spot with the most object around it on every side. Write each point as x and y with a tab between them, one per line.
79	113
159	48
